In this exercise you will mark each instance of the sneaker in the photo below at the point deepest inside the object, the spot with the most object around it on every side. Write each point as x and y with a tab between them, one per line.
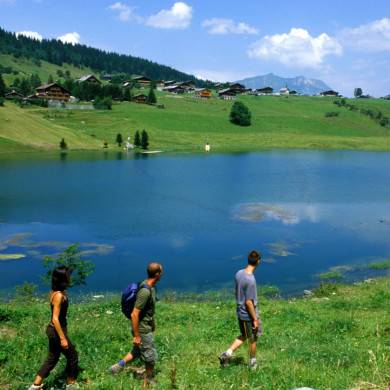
35	387
224	359
72	386
253	364
116	369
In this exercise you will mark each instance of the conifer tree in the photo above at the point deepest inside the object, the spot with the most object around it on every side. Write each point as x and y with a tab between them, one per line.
119	139
152	97
144	140
137	139
2	86
63	145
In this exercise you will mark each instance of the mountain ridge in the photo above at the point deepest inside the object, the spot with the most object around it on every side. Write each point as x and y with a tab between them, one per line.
301	84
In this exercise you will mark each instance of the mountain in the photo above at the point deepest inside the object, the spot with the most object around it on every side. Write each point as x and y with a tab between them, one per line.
300	84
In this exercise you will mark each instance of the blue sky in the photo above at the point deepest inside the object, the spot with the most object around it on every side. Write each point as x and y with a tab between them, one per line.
345	43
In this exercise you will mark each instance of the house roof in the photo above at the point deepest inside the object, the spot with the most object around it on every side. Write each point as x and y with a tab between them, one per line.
222	91
86	78
44	87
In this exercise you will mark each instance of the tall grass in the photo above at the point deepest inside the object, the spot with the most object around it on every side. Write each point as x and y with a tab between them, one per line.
337	343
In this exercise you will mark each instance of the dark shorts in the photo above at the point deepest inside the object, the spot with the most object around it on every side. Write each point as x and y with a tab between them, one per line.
147	350
246	329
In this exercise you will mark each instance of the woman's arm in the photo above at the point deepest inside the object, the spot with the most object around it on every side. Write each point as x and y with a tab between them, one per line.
56	302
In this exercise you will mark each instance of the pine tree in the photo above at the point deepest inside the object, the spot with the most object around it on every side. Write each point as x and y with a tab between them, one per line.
144	140
119	139
2	86
152	97
137	139
63	145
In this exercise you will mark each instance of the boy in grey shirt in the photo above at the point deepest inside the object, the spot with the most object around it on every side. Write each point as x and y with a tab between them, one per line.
246	312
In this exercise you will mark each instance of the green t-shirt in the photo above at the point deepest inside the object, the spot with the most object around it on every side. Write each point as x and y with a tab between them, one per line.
146	304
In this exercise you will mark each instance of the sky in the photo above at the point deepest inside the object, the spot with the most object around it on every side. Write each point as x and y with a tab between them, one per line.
345	43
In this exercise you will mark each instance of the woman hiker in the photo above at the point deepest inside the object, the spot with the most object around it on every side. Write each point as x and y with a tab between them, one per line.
57	333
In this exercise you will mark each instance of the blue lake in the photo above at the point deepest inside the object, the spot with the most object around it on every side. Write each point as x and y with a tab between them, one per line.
197	214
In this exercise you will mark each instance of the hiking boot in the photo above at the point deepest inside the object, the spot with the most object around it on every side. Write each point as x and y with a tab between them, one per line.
72	386
253	364
116	369
224	359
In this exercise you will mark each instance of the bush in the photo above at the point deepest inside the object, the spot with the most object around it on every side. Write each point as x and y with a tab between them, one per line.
331	113
240	114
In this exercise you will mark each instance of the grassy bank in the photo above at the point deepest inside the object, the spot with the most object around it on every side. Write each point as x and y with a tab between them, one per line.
287	122
338	338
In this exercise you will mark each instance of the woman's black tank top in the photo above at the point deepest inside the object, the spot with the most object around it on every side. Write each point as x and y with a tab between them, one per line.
62	316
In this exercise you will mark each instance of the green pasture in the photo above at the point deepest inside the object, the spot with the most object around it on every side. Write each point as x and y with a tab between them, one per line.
287	122
337	338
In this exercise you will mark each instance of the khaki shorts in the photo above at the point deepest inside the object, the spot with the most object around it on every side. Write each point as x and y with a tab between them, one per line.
147	350
246	329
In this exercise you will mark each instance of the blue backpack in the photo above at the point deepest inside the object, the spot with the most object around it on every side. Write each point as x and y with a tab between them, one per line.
129	296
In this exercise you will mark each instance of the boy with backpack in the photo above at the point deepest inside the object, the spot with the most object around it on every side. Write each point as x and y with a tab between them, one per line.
142	323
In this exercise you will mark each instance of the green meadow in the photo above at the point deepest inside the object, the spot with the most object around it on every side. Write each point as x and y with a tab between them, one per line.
185	123
337	338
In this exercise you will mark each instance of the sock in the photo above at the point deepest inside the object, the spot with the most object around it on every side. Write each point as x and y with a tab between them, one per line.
229	352
122	363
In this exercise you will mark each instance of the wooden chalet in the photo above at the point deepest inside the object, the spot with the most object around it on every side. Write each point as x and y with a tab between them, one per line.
238	87
140	98
202	93
53	91
227	94
126	84
265	91
90	79
169	83
142	80
330	93
174	89
13	95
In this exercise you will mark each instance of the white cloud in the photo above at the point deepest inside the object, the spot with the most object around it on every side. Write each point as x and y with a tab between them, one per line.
295	48
178	17
125	12
225	26
371	37
30	34
72	38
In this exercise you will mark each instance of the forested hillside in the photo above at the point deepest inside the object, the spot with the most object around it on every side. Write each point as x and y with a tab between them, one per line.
57	52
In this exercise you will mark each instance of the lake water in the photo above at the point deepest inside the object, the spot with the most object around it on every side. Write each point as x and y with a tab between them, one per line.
197	214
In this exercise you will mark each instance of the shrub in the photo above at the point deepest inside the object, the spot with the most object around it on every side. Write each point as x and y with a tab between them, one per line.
73	258
240	114
331	113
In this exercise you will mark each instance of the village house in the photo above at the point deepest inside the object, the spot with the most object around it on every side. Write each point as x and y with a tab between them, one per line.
13	95
239	88
174	89
53	91
142	80
140	98
265	91
202	93
227	94
169	83
329	93
90	79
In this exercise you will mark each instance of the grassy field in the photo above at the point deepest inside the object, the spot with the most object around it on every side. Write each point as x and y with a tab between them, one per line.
339	338
287	122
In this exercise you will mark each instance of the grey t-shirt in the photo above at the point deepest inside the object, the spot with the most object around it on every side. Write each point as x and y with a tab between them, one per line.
246	290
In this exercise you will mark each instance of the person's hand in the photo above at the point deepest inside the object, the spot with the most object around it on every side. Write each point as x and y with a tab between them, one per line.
137	341
64	343
255	324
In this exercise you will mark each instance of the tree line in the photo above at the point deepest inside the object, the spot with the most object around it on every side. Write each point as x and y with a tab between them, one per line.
57	52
